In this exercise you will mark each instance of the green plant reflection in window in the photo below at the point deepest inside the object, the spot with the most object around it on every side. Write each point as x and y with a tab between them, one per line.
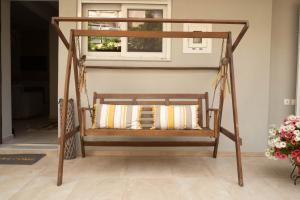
112	44
144	44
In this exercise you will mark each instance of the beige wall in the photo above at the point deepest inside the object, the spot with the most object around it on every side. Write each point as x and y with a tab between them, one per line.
283	58
252	62
6	69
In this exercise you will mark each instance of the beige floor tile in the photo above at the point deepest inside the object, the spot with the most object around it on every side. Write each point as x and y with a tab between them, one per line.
96	167
143	178
148	167
44	188
150	189
99	188
9	185
190	167
203	188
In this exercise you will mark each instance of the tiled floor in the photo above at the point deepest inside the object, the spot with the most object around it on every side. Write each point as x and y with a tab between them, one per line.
149	178
34	131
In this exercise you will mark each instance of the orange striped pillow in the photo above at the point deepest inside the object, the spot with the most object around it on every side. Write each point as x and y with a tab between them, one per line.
175	117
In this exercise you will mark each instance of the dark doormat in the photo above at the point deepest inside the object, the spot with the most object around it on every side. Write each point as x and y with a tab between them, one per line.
20	159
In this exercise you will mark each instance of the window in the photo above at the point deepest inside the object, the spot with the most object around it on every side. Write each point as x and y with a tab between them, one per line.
144	44
104	43
115	48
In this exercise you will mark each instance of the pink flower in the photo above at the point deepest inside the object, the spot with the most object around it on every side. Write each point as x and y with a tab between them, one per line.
297	151
283	156
277	154
293	142
283	134
298	159
294	154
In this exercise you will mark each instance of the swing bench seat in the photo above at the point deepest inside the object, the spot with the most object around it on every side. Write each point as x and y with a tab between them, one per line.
147	119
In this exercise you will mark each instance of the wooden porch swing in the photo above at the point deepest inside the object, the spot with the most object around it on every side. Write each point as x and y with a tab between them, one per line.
225	79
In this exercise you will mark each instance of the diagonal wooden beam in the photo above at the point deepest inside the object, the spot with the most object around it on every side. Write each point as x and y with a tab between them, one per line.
60	33
229	134
240	36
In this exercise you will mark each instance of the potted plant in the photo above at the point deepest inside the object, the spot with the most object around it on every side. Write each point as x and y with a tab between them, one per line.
284	142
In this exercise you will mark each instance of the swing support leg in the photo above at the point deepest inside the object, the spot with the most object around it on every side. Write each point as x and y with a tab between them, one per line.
235	114
235	137
64	113
215	154
78	98
223	71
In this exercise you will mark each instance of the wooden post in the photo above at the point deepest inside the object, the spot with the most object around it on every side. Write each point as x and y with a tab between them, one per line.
221	104
78	99
64	112
235	114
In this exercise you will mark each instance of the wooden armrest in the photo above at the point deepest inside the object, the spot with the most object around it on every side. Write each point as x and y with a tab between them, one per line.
83	120
216	121
213	109
86	109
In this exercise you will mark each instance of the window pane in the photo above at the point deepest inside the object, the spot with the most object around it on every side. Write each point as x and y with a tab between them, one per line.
112	44
144	44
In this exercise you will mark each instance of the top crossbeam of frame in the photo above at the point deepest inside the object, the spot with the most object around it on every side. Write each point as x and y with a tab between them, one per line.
150	34
245	23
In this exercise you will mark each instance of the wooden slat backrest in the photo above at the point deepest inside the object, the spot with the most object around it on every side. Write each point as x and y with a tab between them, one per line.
157	99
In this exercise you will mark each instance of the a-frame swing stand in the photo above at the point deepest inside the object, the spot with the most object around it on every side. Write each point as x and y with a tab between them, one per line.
226	72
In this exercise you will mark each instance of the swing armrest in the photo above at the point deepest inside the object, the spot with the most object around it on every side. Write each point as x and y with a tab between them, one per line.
86	109
83	119
216	121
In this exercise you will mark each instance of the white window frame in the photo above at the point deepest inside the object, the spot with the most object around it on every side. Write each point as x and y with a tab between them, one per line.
165	55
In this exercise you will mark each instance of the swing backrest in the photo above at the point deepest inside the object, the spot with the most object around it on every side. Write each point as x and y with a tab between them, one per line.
157	99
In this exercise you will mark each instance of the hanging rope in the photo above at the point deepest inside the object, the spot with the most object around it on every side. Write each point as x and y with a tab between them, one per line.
221	80
82	76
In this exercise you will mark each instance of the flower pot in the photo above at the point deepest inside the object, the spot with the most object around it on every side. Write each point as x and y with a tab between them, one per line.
298	167
295	175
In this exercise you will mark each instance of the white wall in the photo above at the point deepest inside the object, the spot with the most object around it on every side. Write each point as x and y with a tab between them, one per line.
6	69
283	74
252	60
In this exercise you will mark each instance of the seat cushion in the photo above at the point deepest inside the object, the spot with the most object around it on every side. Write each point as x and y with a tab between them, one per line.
175	117
117	116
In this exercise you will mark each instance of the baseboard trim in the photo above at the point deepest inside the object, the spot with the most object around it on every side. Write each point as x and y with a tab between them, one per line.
7	138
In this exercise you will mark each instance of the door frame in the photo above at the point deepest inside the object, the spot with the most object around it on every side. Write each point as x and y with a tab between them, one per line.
0	79
297	107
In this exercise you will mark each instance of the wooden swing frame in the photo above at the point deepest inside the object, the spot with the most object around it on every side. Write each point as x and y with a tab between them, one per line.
72	60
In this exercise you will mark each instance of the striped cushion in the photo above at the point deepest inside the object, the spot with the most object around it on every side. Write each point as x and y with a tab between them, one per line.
175	117
117	116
